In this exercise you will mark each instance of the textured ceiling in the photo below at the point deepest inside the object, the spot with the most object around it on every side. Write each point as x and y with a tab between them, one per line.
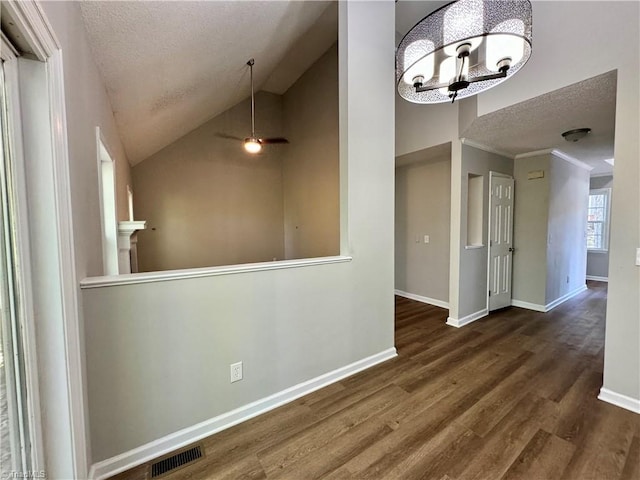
170	66
538	123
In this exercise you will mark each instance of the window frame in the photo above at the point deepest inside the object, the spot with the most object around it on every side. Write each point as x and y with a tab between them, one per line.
605	223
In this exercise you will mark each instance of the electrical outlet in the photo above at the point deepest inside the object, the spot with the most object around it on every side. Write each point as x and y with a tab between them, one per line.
236	372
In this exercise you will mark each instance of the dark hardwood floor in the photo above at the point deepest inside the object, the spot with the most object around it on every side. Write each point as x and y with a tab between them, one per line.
511	396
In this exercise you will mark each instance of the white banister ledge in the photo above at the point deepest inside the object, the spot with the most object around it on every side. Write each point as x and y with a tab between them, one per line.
151	277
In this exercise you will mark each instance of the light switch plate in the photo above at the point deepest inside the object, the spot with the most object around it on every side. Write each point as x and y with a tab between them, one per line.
638	257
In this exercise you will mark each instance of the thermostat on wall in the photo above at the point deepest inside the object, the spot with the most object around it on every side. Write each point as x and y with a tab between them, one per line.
535	174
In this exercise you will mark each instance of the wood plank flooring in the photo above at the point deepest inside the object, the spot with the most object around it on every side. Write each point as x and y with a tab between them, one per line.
511	396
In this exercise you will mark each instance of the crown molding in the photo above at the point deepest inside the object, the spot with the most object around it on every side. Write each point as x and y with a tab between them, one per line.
535	153
485	148
570	159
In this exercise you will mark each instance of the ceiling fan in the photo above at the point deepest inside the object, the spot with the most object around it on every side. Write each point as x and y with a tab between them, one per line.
253	143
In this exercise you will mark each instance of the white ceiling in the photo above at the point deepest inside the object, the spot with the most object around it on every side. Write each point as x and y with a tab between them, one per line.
170	66
537	124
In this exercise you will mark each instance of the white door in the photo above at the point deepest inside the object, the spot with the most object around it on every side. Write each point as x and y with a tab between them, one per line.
500	240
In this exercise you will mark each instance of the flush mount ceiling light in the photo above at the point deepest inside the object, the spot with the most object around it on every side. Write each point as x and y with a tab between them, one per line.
576	134
462	49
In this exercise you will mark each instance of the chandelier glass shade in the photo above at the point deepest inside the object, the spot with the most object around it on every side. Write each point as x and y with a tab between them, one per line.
462	49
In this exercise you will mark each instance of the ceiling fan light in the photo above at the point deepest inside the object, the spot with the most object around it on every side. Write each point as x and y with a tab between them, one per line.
252	145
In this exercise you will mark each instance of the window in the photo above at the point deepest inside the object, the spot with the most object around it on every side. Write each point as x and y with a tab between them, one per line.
598	219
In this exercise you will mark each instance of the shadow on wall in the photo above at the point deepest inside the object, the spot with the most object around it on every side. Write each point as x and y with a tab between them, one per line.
208	203
423	224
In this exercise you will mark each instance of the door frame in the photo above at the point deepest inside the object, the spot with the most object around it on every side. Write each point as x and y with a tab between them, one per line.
492	175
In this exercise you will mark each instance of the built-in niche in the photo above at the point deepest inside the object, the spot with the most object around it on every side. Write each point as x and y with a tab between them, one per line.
475	188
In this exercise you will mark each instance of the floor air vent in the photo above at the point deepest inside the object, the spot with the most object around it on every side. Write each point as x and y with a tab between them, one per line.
181	459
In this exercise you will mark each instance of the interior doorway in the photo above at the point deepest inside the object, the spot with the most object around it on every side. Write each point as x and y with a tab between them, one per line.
501	188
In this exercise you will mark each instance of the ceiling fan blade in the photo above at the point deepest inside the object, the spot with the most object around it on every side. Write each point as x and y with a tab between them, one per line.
228	137
274	140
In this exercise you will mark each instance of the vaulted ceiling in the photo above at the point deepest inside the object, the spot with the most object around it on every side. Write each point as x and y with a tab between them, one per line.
170	66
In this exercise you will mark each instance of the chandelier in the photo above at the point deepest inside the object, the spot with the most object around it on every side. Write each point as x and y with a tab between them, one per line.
462	49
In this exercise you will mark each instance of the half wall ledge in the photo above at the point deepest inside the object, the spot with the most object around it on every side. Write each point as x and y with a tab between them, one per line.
152	277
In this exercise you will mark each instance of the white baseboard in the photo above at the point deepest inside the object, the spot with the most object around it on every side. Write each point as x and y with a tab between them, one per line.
419	298
620	400
461	322
189	435
549	306
566	297
529	306
597	279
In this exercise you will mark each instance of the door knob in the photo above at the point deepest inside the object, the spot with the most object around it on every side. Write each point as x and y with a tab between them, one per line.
511	249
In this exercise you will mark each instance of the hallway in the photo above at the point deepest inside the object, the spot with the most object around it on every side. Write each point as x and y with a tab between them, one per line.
509	396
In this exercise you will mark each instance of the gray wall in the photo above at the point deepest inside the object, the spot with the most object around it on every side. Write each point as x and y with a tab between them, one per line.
598	262
567	249
423	207
473	262
311	162
158	354
530	227
571	25
208	202
549	229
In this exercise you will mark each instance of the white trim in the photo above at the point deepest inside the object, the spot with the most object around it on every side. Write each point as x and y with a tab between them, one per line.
461	322
150	277
23	248
595	278
565	297
570	159
66	254
551	305
186	436
602	174
419	298
108	205
606	224
31	21
529	306
619	400
535	153
485	148
7	50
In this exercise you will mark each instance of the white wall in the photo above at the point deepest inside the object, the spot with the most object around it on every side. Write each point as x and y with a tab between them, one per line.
311	162
158	354
598	262
423	207
207	201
